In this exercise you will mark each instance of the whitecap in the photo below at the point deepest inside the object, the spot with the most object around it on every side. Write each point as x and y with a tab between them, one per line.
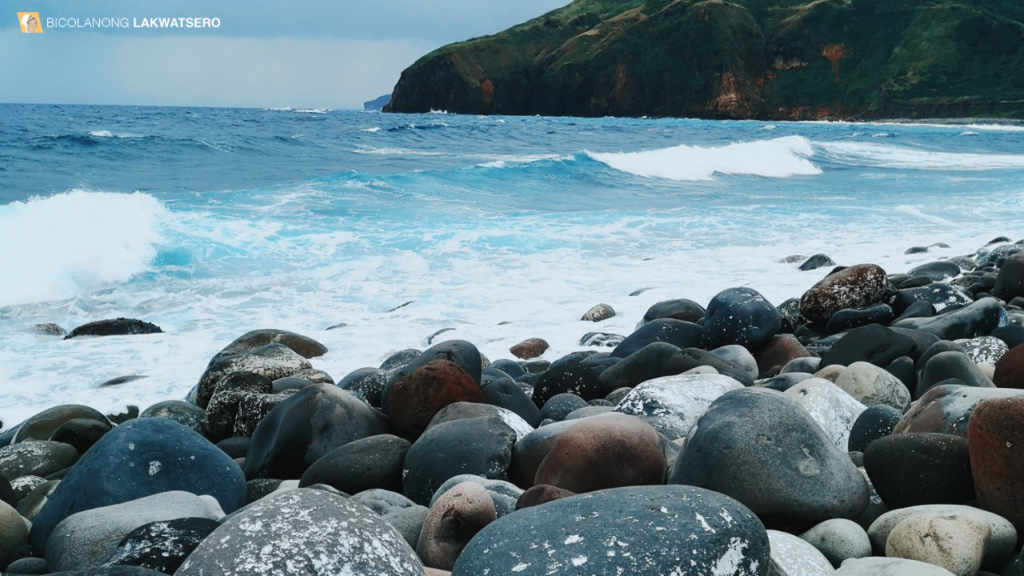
79	240
778	158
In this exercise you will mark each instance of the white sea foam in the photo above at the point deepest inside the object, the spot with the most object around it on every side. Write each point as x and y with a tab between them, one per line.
109	134
374	129
983	127
902	157
777	158
74	241
312	111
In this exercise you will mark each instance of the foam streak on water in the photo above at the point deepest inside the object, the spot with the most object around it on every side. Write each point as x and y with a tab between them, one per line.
501	228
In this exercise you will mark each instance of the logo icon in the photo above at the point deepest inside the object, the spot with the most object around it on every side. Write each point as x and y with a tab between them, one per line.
30	22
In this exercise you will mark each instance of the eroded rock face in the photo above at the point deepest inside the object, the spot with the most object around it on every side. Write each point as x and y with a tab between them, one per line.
272	361
634	530
853	287
303	531
734	70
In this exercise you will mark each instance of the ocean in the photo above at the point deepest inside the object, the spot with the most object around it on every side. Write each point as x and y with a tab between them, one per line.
211	222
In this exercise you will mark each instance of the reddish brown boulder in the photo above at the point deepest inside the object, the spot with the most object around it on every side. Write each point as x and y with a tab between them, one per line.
529	348
1010	369
995	437
415	399
541	495
1010	281
452	522
606	452
778	352
853	287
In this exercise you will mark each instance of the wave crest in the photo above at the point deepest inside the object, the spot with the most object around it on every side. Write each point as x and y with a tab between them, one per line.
73	241
776	158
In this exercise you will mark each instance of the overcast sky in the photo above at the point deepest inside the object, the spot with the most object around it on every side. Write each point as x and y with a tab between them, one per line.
300	53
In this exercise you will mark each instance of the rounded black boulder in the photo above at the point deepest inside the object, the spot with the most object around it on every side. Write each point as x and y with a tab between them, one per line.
42	425
936	271
481	446
499	389
374	462
561	405
80	433
367	383
162	546
678	309
690	358
873	343
571	374
634	530
180	411
640	366
740	316
1010	281
847	319
916	469
872	424
115	327
764	449
305	427
676	332
140	458
464	354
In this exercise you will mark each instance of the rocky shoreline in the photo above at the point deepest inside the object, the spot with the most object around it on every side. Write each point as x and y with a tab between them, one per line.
872	426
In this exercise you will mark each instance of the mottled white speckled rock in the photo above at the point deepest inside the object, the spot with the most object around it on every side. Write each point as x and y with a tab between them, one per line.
304	532
832	408
985	349
796	557
674	403
638	530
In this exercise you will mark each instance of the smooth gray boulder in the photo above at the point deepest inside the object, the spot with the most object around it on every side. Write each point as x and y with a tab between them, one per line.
87	539
839	540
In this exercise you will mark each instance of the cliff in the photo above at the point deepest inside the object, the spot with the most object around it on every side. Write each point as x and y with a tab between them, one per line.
763	59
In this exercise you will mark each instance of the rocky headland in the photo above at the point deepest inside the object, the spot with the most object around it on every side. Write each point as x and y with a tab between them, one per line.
751	59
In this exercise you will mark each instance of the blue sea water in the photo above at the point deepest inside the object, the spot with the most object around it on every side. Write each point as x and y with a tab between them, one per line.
211	222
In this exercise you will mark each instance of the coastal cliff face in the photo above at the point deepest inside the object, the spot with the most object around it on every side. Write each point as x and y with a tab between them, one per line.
762	59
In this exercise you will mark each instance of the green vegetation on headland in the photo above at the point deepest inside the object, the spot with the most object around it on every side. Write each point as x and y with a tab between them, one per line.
761	59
